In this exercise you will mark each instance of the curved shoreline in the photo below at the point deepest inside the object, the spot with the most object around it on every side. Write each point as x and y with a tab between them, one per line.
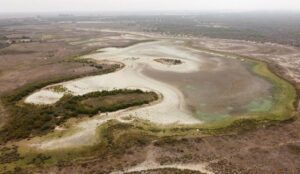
134	70
169	111
265	70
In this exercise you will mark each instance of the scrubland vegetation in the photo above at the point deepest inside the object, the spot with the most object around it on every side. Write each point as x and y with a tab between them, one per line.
116	140
30	120
280	28
169	61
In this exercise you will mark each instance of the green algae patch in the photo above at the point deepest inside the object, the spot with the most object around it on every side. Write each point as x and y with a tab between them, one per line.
281	106
284	94
210	117
260	105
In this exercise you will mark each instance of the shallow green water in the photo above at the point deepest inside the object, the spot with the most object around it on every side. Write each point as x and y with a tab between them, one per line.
232	90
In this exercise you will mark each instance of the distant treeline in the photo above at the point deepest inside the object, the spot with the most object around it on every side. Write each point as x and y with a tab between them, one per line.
283	28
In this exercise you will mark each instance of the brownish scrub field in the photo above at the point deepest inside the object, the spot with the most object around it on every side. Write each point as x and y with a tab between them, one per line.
255	151
48	57
24	63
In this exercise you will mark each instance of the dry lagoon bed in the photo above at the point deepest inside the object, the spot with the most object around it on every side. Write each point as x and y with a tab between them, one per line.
224	86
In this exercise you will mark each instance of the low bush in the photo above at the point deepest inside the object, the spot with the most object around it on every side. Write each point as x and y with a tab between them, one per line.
30	120
27	120
8	155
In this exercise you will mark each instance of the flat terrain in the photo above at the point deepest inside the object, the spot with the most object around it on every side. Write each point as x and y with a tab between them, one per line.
233	98
220	74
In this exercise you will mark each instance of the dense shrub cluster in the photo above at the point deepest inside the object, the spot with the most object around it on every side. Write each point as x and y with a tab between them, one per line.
26	120
74	103
29	120
169	61
120	137
8	155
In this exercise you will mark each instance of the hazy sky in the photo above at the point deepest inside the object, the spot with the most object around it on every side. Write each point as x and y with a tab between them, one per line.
145	5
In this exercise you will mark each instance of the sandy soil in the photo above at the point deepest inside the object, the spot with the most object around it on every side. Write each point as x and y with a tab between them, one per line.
44	97
170	110
153	165
150	164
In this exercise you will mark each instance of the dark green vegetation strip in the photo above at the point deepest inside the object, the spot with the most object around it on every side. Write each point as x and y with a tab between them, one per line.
29	120
107	101
169	61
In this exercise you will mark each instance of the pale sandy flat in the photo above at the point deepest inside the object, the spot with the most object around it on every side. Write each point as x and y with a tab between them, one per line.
170	110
